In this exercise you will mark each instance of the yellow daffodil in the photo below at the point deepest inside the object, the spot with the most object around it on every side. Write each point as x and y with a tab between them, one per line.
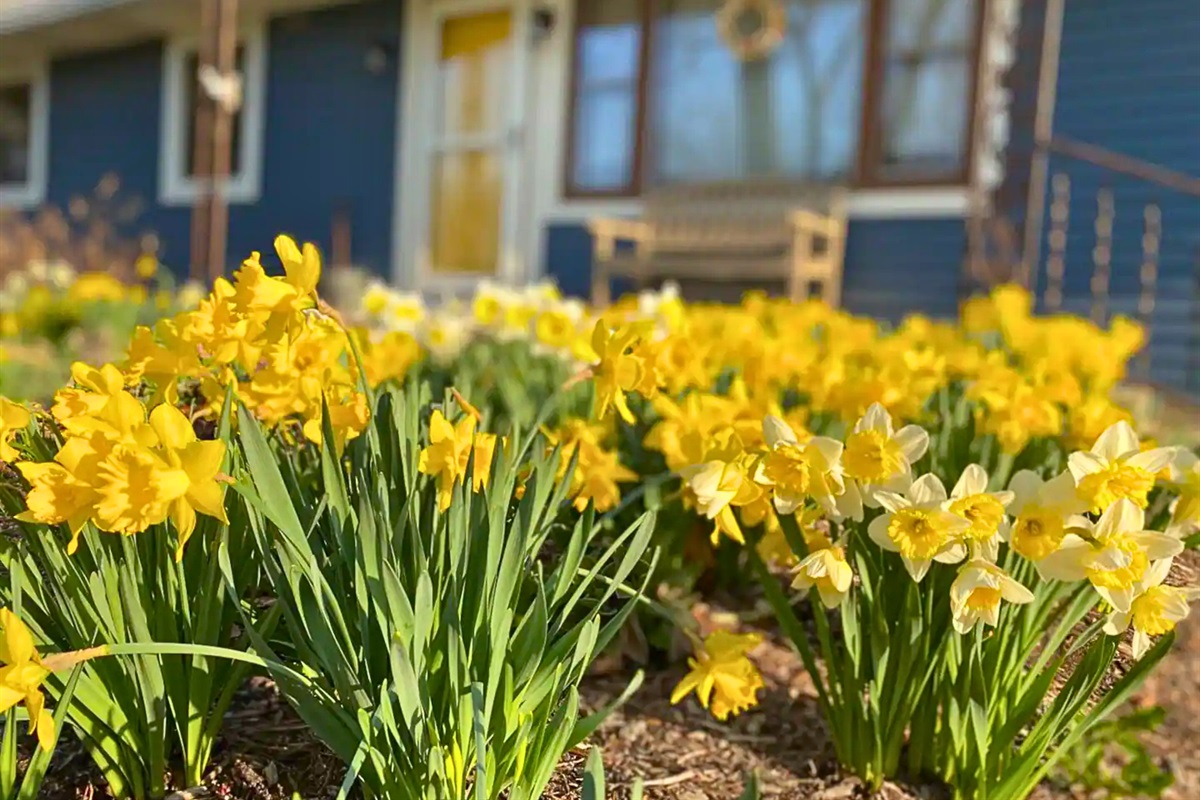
878	457
1155	610
722	676
450	451
21	677
971	500
976	593
798	470
1115	553
302	266
1040	511
13	417
920	527
200	461
1116	467
621	368
720	482
825	569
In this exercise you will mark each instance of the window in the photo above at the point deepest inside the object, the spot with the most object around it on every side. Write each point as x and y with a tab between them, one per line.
865	91
23	135
178	184
925	89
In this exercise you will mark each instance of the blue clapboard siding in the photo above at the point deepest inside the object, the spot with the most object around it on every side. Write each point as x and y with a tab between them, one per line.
329	139
1129	81
893	267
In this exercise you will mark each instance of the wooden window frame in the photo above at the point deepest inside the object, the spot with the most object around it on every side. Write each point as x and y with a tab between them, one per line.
868	173
865	172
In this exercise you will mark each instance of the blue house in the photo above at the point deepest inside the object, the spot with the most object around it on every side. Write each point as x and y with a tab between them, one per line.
406	121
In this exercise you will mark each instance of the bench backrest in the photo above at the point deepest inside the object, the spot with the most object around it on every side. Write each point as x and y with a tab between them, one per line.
733	215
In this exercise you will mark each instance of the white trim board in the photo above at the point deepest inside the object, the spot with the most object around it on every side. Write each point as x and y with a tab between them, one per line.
32	193
925	203
174	186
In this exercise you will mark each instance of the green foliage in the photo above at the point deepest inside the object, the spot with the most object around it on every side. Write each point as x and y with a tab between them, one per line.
445	651
1090	762
134	714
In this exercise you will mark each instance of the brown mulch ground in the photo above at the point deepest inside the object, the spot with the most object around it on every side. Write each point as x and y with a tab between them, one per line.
678	751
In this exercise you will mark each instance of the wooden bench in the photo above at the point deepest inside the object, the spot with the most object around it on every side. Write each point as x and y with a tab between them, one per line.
740	232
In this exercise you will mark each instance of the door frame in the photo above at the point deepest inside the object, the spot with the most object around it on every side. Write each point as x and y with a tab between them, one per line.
415	135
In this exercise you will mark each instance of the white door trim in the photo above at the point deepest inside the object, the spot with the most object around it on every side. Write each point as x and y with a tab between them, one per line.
415	144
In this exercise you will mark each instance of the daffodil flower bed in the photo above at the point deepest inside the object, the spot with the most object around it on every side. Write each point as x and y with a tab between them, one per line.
424	522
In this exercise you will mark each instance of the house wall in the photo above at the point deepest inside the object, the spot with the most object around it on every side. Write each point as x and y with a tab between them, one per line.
329	137
1129	81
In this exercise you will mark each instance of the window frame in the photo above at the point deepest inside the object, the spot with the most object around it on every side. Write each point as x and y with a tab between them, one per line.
642	87
867	171
175	186
31	193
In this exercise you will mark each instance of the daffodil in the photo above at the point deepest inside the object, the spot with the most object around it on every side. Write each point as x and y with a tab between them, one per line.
621	368
21	677
920	527
1185	480
720	482
798	470
13	417
971	500
827	570
1040	510
878	457
976	593
1155	610
1116	467
1115	553
722	676
450	451
200	461
302	266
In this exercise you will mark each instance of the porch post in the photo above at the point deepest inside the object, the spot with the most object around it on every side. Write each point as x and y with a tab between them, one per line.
226	63
202	121
1043	130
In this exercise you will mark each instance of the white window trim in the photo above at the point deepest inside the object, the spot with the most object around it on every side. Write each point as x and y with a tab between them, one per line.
32	193
174	186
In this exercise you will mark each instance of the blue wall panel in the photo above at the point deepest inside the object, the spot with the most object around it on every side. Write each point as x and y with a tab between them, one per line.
329	137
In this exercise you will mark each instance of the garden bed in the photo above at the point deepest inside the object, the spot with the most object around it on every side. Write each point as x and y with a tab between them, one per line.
679	751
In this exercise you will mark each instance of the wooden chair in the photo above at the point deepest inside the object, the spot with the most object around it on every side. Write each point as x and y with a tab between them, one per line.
745	231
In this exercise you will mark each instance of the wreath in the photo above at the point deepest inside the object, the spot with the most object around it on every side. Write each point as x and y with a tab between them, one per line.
760	42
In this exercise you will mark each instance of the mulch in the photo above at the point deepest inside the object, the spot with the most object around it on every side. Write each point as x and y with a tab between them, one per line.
678	751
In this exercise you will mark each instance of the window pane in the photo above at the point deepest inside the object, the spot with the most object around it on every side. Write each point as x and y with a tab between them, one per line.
924	25
607	56
794	113
191	66
925	114
473	70
927	92
466	195
15	135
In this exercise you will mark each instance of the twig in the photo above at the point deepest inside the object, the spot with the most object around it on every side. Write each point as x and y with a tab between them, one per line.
687	774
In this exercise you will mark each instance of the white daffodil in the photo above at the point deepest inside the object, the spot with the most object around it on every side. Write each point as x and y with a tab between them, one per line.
919	526
1116	467
879	458
797	470
1114	554
1041	511
827	570
1154	611
971	500
976	593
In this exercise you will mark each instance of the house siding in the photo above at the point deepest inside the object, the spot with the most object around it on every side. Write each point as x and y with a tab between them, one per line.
1129	81
329	139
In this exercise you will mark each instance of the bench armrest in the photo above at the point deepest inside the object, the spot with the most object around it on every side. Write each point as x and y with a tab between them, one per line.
607	231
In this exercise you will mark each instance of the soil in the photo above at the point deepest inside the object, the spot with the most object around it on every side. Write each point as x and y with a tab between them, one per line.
679	752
